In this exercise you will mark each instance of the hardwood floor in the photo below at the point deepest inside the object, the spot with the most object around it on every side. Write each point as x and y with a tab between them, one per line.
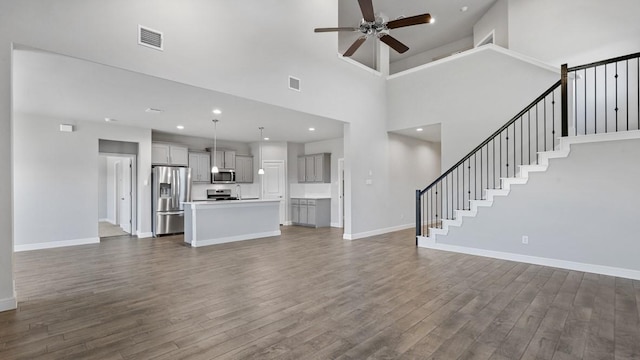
308	294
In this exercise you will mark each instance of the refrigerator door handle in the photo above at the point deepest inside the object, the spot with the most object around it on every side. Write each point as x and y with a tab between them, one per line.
170	213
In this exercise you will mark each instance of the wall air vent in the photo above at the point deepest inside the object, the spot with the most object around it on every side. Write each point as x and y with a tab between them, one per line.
294	83
150	38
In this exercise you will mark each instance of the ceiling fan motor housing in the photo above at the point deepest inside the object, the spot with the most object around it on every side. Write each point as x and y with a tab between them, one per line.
372	28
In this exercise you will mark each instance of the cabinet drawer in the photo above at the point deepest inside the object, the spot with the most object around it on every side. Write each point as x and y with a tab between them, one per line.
311	202
303	201
295	202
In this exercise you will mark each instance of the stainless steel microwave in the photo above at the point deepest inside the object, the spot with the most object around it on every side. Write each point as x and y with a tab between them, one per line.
224	176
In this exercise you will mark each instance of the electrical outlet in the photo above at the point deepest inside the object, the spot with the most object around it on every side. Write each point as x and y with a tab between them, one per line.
525	239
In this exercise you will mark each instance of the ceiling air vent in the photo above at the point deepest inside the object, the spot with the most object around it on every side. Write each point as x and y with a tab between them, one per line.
294	83
149	37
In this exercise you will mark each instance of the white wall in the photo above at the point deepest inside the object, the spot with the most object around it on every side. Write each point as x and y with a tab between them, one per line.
572	212
496	20
414	164
102	187
70	161
461	94
574	31
431	55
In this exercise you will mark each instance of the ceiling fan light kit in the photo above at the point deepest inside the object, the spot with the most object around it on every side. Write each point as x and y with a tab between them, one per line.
370	25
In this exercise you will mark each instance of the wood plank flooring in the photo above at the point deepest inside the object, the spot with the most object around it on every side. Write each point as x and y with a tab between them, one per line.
308	294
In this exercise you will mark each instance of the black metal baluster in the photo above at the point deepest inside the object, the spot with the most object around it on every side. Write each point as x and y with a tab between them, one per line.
537	128
553	118
606	109
515	163
499	179
627	95
595	99
544	118
585	101
616	109
446	199
521	143
638	91
481	173
493	173
469	188
575	96
475	176
529	133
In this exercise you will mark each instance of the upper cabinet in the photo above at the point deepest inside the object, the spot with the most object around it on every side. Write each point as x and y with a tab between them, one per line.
314	168
169	154
200	168
244	169
225	159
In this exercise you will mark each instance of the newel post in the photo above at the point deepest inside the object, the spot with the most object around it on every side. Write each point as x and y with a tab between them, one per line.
565	100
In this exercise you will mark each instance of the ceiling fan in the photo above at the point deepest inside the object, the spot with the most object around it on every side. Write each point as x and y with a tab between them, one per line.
370	25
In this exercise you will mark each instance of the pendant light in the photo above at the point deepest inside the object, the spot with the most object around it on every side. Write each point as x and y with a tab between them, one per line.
214	168
260	170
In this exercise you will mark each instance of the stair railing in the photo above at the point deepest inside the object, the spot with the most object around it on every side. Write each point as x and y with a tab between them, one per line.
605	97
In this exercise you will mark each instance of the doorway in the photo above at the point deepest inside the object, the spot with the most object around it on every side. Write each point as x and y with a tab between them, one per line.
274	184
117	195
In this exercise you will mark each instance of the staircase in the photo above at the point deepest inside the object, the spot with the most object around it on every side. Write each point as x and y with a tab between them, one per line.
591	103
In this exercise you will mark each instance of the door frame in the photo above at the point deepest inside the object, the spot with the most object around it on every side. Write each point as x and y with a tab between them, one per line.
341	193
134	189
283	182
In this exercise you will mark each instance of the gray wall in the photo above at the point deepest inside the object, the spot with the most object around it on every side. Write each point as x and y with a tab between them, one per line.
69	160
431	55
461	94
583	209
574	31
496	19
102	187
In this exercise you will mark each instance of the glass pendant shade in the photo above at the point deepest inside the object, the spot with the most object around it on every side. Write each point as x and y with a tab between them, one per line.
214	168
261	171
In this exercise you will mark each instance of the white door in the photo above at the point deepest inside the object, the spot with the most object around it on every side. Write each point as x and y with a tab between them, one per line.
118	193
125	195
274	184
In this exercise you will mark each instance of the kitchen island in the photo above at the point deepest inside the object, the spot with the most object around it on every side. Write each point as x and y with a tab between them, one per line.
223	221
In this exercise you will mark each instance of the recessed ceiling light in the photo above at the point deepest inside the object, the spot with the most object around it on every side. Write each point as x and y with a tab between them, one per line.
312	129
109	119
266	139
180	127
153	110
432	20
419	129
464	8
217	111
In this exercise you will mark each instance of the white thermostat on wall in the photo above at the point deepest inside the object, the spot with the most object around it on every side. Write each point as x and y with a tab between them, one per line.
66	128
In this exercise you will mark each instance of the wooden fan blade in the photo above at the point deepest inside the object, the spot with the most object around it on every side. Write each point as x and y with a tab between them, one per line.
352	49
366	6
413	20
319	30
394	43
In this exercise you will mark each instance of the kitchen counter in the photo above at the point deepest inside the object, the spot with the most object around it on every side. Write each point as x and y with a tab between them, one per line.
223	221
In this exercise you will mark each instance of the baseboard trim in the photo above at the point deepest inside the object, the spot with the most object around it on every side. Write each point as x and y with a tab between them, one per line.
557	263
143	235
335	225
104	219
366	234
56	244
199	243
287	223
8	304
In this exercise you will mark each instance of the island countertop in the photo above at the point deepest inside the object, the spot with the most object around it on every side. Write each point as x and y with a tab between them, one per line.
200	203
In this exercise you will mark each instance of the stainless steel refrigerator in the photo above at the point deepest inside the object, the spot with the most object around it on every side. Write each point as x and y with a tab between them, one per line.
171	187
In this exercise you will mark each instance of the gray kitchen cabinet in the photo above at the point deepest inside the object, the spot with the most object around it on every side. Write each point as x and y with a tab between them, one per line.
315	168
311	212
225	159
244	169
169	154
200	167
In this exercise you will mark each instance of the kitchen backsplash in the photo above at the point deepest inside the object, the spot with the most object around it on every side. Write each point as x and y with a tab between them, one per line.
310	190
199	191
